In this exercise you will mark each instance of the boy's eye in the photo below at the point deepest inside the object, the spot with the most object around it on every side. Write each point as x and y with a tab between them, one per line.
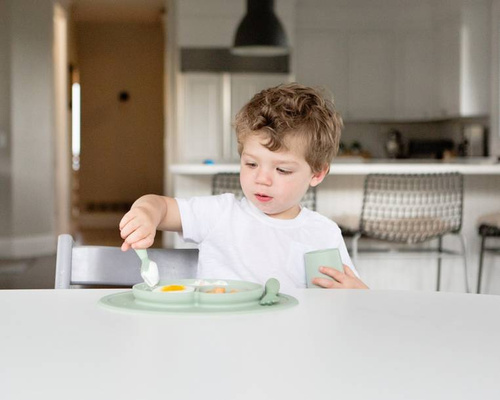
251	164
283	171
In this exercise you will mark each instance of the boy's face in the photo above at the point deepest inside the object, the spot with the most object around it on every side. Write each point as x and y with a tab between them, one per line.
275	182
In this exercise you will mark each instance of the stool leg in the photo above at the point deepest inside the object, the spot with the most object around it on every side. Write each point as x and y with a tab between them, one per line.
480	271
355	239
464	254
440	249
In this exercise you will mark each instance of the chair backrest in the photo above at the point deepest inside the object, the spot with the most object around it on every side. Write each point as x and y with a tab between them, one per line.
230	183
109	266
411	208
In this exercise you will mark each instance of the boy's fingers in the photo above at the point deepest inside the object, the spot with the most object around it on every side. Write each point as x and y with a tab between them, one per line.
125	220
326	283
136	236
143	243
334	273
348	271
128	229
125	246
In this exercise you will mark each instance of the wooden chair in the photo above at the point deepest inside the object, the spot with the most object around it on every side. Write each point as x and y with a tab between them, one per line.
109	266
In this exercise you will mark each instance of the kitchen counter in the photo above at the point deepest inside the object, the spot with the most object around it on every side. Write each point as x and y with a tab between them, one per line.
359	166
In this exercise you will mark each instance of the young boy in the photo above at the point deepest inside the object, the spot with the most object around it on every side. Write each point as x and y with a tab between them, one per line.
287	138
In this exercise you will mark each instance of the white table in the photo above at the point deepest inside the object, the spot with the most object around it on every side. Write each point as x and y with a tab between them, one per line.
334	345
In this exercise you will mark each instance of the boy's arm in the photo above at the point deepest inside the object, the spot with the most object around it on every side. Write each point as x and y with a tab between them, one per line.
149	213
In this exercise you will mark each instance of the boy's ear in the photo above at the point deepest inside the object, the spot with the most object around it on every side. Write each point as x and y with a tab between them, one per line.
318	177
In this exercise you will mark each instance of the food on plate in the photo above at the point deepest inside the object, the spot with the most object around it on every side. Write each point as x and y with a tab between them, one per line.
174	288
202	282
220	290
217	290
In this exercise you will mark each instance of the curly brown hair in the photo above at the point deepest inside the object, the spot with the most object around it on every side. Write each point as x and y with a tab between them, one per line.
293	110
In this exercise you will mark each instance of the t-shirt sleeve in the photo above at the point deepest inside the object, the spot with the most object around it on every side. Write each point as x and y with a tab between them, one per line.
199	215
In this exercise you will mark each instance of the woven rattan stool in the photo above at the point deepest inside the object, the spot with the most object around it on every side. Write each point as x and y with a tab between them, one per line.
230	183
411	209
489	227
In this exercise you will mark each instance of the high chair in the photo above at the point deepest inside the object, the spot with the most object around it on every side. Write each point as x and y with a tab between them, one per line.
109	266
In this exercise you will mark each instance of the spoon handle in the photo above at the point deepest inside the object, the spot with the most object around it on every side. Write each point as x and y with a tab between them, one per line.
142	253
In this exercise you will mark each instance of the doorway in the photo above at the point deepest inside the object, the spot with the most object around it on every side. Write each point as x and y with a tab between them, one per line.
117	58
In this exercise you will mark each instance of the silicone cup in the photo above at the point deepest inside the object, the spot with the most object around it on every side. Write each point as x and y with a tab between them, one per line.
321	258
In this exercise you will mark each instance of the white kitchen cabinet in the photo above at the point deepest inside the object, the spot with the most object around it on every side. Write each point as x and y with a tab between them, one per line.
330	69
415	76
372	75
200	117
357	68
243	88
392	66
448	69
371	84
208	103
464	57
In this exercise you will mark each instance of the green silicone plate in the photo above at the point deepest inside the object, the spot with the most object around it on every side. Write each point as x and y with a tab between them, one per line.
244	293
125	301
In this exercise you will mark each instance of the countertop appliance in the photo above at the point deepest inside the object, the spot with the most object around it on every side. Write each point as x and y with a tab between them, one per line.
429	148
475	140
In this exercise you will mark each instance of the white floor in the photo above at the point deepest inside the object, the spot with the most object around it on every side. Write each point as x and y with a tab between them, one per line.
35	273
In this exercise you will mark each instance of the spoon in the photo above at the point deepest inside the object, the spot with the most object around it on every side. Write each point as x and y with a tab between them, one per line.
271	293
149	269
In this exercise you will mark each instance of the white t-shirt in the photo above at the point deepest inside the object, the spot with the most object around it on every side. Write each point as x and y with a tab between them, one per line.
238	241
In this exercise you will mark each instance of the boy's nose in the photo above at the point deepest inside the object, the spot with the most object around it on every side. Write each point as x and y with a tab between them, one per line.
263	177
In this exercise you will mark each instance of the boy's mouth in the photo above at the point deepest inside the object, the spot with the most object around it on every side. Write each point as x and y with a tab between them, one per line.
263	197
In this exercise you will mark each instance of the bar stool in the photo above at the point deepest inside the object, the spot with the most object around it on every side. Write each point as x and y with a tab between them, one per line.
229	182
489	227
403	210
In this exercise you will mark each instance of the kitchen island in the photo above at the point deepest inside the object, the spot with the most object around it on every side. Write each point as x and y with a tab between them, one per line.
340	197
358	165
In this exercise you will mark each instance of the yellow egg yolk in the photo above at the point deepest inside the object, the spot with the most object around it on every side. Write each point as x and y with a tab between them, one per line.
172	288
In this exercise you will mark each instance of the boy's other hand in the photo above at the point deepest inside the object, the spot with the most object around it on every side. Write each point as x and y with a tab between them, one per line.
137	229
341	280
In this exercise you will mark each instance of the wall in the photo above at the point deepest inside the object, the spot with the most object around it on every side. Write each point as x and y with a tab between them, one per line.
476	45
122	142
495	77
4	79
4	119
30	103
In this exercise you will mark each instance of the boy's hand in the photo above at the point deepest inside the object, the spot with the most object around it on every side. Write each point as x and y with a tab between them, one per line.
137	229
341	280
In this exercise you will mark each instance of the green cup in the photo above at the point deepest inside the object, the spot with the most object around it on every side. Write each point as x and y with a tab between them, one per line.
321	258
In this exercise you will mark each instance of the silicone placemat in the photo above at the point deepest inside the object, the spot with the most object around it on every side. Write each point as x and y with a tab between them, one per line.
125	301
